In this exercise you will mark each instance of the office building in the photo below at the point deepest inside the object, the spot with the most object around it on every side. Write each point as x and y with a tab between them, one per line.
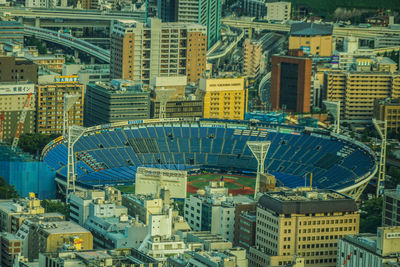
80	202
177	83
357	91
11	31
254	8
388	110
291	83
254	59
10	208
278	11
213	210
205	12
47	234
184	108
10	248
141	52
224	97
246	230
51	62
150	181
391	207
50	104
114	231
15	69
115	101
118	257
90	4
372	250
312	38
13	96
88	73
302	223
167	10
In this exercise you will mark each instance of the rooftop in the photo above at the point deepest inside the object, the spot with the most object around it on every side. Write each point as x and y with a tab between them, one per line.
310	29
303	201
118	87
62	227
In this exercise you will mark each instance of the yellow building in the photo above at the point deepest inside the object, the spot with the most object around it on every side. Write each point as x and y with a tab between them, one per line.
50	104
51	62
302	222
224	98
48	237
357	91
10	208
314	39
388	110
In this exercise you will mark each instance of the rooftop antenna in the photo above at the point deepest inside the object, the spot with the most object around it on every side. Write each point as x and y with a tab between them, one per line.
259	150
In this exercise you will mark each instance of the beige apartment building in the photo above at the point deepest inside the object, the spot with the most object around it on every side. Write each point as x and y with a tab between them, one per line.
50	104
388	110
278	11
252	57
224	97
357	91
13	96
302	223
141	52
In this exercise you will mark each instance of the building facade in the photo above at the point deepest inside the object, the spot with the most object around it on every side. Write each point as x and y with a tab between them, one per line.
186	108
17	69
10	248
13	96
357	91
224	98
302	222
205	12
140	52
115	101
254	8
388	110
291	83
369	249
11	31
278	11
391	207
314	39
50	105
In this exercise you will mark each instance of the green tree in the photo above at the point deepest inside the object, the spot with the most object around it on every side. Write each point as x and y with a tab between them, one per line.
34	143
370	215
394	180
56	206
7	191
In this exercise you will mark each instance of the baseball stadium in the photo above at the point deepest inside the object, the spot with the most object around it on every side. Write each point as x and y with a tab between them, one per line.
110	154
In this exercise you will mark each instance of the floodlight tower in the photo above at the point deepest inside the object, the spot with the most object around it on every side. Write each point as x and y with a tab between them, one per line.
259	150
163	96
381	128
74	133
69	101
334	108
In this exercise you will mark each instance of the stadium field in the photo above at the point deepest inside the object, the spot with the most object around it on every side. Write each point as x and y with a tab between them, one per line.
237	184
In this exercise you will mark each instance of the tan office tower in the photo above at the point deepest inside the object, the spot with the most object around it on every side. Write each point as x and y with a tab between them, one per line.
50	104
140	51
302	223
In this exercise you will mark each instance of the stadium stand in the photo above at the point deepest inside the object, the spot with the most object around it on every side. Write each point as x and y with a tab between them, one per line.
110	154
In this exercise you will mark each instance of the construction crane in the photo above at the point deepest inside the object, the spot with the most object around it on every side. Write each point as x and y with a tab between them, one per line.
2	119
21	122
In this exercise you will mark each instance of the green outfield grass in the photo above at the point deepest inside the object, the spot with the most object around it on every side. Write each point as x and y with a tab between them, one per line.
246	181
126	189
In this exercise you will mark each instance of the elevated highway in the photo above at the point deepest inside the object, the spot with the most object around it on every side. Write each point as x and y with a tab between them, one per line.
364	33
68	41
